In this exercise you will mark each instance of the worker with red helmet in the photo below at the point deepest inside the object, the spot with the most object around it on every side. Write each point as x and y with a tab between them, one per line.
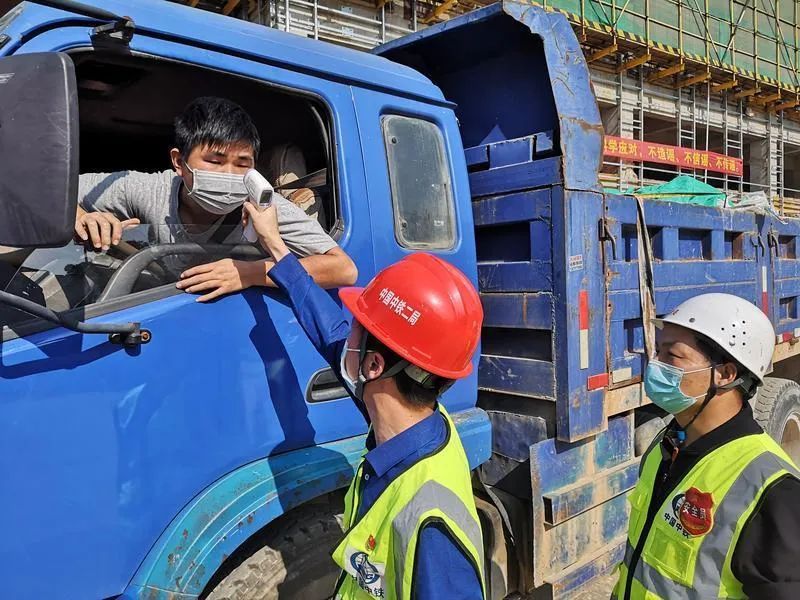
412	529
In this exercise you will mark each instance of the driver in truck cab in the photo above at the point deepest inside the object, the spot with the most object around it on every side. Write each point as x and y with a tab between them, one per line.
200	201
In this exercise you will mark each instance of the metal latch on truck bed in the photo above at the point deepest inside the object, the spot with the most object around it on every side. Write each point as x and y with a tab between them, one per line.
604	235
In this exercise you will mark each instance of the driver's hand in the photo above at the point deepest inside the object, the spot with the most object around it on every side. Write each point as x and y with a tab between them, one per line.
101	228
222	277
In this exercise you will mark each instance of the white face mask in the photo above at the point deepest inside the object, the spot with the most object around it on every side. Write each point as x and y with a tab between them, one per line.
217	193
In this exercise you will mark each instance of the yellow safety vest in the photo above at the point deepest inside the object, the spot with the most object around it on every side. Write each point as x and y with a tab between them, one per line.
377	552
688	549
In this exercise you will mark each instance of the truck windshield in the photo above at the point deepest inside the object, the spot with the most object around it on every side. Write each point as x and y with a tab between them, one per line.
76	275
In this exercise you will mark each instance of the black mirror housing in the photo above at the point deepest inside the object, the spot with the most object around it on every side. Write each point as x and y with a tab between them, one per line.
38	150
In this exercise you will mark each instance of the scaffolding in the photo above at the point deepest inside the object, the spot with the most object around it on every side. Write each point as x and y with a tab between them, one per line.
718	75
361	24
750	45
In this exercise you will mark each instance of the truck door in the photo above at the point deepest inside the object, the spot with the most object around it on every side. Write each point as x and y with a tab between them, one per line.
418	192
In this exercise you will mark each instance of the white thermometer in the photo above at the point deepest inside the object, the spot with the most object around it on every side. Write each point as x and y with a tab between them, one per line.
260	194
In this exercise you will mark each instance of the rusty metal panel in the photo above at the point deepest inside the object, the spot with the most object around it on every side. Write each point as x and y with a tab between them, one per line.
589	468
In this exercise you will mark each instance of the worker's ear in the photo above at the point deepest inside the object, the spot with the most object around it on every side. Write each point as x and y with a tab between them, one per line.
374	366
177	161
725	373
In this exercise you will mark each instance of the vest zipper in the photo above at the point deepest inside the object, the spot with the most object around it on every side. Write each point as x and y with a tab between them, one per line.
652	509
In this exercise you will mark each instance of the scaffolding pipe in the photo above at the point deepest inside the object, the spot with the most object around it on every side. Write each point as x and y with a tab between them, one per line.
383	23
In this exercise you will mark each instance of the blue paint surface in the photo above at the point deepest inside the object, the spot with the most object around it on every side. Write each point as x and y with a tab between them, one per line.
238	505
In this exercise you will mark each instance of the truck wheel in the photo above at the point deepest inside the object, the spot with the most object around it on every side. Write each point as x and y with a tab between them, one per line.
777	410
290	560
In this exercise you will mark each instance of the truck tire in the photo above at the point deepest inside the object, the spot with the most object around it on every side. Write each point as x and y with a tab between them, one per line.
776	407
290	560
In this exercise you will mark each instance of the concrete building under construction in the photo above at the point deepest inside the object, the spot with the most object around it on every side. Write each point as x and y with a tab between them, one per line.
707	88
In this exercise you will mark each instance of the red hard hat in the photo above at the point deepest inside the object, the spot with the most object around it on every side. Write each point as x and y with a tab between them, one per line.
425	310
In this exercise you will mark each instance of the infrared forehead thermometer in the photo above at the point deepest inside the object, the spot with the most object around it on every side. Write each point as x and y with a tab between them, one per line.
260	194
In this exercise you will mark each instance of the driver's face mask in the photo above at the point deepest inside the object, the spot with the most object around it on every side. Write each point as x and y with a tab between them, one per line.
215	192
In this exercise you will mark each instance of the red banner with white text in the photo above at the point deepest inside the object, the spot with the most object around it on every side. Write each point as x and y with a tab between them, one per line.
664	154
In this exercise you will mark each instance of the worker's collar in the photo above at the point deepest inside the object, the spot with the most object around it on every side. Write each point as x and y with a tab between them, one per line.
395	450
740	425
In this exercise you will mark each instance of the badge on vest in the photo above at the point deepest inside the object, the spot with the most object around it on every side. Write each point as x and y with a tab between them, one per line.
693	511
368	574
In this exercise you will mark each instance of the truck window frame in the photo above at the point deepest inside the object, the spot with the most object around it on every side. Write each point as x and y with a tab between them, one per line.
29	326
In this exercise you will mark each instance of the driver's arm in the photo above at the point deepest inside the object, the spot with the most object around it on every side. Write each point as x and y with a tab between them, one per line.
320	255
103	209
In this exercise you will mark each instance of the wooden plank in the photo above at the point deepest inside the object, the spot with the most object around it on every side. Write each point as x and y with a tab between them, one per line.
635	62
745	93
230	6
725	85
785	105
762	100
438	12
673	70
194	3
701	77
602	53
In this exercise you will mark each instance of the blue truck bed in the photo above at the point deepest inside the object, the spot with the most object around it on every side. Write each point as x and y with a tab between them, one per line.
559	270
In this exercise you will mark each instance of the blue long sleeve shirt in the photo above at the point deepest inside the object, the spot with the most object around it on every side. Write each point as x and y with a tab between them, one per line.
442	569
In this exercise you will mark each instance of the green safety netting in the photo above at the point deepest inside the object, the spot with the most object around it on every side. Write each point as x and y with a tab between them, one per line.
762	36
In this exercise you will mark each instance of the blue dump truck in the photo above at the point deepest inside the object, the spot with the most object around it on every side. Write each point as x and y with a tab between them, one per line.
154	447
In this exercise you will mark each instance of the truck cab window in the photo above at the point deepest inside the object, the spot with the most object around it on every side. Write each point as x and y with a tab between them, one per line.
128	104
419	176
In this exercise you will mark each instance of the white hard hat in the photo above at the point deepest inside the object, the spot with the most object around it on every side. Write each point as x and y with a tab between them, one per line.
737	326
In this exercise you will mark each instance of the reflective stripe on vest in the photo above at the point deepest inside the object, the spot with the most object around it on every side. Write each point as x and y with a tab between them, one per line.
431	495
377	554
712	560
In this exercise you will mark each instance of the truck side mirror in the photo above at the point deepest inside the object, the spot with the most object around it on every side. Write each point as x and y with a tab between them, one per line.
39	150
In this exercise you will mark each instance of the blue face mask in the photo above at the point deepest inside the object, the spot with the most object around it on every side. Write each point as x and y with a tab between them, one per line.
662	384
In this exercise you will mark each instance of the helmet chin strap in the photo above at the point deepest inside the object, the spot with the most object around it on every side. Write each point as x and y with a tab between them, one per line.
422	377
713	388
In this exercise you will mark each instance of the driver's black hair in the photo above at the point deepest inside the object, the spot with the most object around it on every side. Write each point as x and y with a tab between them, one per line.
214	122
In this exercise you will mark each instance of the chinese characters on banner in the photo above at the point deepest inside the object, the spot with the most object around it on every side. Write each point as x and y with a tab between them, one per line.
671	155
